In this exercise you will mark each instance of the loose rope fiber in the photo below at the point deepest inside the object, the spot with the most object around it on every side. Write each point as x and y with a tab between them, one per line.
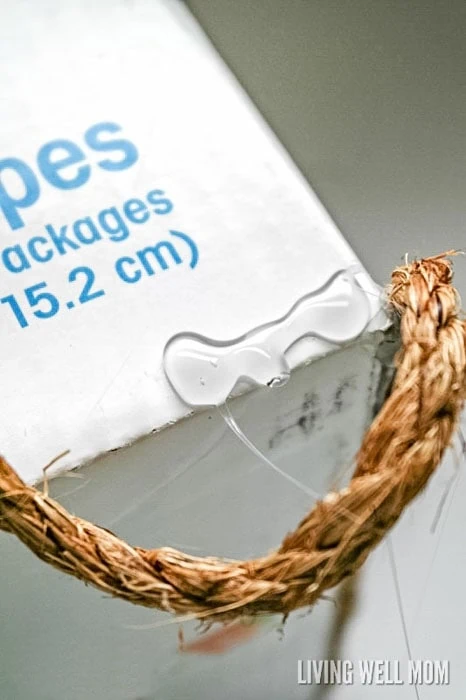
399	453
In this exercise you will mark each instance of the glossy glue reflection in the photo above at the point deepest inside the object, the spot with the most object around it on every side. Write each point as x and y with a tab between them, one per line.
204	372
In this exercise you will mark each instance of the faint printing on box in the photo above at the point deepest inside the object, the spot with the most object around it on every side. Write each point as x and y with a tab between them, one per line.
373	672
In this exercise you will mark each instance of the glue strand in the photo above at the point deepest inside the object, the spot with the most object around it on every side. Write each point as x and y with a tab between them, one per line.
396	581
227	416
450	483
442	502
185	467
449	491
232	424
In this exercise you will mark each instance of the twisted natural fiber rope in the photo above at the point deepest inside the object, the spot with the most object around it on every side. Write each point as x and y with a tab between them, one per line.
399	453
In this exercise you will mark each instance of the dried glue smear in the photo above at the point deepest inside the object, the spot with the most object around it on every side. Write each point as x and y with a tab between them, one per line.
204	372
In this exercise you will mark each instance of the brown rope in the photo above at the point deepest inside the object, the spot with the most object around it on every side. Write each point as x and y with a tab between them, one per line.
400	451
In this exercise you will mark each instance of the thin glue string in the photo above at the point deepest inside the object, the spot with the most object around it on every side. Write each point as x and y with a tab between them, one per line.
231	422
450	482
227	416
391	553
445	504
135	505
399	600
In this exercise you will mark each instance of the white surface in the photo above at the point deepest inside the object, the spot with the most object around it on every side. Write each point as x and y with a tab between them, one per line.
90	378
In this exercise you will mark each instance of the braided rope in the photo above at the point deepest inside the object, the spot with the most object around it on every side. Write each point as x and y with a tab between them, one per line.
399	453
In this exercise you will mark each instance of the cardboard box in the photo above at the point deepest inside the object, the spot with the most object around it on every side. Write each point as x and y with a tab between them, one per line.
142	196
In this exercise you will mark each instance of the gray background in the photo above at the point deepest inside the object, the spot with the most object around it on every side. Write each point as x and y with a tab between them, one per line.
369	98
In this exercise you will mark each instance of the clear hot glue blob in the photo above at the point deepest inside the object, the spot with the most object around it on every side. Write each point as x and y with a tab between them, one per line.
204	372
